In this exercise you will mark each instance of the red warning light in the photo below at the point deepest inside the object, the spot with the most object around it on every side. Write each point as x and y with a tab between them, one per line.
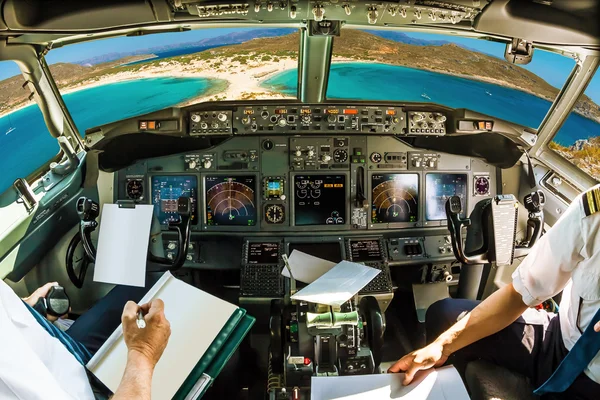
350	111
306	361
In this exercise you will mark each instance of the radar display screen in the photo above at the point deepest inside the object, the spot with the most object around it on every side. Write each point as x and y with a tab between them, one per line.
439	188
320	199
395	198
365	250
230	200
166	190
263	253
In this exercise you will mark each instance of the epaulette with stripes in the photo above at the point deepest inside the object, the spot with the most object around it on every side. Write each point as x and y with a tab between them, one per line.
591	201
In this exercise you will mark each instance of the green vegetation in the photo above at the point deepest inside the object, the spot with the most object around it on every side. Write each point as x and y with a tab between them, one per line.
586	157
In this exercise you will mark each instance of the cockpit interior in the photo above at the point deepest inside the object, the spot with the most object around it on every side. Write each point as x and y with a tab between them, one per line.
433	141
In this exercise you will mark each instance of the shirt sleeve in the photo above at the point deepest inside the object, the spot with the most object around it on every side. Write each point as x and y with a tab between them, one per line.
548	267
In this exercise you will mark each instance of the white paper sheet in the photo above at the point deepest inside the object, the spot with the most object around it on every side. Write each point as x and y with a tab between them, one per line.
306	268
123	245
196	318
441	384
338	284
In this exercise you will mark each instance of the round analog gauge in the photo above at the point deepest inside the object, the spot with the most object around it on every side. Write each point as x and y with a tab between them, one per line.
376	157
274	214
340	156
482	185
135	189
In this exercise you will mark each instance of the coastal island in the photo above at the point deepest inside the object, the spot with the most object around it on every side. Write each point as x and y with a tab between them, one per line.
240	71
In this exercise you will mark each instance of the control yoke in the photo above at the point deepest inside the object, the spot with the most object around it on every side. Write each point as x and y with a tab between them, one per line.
183	229
88	210
496	221
455	225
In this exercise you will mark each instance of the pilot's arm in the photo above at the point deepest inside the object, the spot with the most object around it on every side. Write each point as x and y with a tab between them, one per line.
145	347
544	273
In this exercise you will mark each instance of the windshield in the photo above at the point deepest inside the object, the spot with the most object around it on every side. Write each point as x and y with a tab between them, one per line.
443	69
112	79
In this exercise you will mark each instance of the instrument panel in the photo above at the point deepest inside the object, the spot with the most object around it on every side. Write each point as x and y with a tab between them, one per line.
302	168
304	118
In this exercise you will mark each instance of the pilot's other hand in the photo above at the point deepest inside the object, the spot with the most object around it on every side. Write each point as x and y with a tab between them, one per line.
38	294
425	358
149	342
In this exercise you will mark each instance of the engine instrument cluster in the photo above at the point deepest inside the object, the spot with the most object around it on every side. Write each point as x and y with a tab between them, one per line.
320	199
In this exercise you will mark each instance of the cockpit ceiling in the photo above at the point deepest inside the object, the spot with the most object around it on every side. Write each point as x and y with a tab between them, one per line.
550	22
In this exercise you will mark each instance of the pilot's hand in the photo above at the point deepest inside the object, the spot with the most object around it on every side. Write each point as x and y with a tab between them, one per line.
597	326
425	358
38	294
149	342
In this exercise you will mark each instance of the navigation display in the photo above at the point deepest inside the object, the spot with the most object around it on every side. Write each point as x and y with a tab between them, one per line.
230	200
166	190
365	250
320	199
263	253
439	188
395	198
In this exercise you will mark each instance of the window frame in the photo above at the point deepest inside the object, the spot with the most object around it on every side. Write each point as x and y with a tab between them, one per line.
572	90
44	168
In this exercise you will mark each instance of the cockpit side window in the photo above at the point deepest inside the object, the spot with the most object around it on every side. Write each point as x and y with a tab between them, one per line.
25	143
578	140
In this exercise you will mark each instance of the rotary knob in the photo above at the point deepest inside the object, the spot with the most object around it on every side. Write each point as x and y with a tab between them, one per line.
282	122
222	117
195	118
331	118
311	153
440	118
298	153
171	246
192	164
325	158
417	117
206	164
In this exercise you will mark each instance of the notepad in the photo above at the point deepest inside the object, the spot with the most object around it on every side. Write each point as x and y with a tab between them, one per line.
202	326
434	384
123	241
338	285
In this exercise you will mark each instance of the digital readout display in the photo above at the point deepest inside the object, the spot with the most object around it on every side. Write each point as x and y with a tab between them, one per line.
365	250
263	253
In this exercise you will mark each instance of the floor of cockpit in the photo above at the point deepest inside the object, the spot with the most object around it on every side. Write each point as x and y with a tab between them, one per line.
248	370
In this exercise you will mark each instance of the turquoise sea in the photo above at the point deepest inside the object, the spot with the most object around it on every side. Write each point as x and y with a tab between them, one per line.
23	149
26	147
387	82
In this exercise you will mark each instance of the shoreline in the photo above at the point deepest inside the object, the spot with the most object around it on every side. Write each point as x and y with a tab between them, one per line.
240	82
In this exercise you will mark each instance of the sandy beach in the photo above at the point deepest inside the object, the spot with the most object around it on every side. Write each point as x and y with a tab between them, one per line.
239	81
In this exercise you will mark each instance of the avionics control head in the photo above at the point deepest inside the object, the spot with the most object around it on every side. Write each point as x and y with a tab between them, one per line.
534	202
87	209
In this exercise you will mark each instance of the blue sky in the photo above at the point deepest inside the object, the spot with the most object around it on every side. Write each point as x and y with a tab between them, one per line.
552	67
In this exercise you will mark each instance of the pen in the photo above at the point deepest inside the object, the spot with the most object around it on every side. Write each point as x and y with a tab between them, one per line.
141	323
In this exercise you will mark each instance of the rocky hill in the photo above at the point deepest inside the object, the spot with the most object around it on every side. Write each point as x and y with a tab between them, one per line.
585	154
352	45
445	58
65	74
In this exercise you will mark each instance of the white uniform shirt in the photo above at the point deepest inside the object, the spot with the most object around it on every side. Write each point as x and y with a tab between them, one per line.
33	364
567	257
